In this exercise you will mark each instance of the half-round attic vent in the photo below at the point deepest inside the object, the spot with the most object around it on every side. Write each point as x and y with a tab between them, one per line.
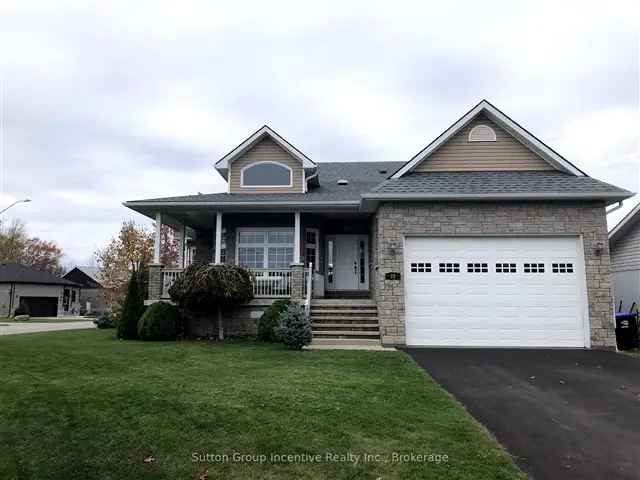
343	181
482	133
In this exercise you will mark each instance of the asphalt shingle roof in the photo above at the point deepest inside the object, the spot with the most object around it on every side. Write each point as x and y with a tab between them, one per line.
13	273
470	183
362	177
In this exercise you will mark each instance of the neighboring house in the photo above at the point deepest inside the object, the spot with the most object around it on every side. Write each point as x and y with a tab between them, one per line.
487	237
41	293
624	243
92	295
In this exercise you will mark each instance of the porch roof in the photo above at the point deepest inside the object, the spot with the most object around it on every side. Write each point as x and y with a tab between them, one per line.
361	177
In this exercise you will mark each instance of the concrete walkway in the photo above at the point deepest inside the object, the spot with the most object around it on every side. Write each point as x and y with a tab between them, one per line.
10	328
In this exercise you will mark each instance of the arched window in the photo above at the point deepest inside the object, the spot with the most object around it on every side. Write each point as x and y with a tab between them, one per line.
266	174
482	133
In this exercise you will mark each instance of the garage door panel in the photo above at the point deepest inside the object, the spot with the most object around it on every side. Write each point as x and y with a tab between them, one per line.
486	306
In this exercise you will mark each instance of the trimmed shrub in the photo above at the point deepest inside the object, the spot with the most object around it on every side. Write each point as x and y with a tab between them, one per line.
106	320
295	328
159	322
208	289
132	308
21	310
270	320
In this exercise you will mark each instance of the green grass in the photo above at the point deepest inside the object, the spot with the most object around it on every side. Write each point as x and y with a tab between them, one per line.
80	404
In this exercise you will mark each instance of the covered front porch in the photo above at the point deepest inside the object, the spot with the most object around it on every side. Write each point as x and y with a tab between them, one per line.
282	249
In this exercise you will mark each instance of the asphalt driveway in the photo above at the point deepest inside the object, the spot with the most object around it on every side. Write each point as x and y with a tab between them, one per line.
561	413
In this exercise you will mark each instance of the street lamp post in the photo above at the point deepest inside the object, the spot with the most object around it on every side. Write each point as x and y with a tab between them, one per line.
24	200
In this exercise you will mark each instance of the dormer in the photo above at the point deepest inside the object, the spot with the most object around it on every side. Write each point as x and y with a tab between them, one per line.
266	163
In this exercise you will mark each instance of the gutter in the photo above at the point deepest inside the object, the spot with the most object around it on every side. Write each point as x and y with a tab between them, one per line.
370	201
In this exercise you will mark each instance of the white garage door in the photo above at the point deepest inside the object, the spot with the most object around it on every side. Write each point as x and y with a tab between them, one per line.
495	291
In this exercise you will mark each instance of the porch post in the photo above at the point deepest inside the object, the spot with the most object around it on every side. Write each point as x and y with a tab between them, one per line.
182	233
157	239
296	238
218	247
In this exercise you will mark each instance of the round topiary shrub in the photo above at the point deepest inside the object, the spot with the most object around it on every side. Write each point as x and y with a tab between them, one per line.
209	289
295	327
159	322
270	320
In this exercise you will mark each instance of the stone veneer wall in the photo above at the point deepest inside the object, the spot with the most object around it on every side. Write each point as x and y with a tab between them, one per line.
240	322
395	220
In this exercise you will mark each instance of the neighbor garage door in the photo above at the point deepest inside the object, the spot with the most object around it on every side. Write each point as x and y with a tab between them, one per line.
41	306
495	291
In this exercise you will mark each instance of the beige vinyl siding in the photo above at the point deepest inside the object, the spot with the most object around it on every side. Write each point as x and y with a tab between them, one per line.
625	253
459	155
266	150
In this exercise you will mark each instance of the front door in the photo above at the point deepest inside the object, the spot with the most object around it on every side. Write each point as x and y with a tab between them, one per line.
347	262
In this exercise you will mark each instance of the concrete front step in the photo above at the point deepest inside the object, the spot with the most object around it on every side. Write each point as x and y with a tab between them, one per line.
344	311
315	317
346	325
342	302
346	333
345	342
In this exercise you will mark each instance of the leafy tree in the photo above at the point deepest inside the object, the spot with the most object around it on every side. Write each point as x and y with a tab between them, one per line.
132	307
209	289
128	251
17	247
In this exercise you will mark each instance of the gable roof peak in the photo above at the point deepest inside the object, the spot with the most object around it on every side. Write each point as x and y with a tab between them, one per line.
503	121
257	136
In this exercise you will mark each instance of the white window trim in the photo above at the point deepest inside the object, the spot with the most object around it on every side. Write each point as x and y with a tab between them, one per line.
316	266
265	258
482	126
251	165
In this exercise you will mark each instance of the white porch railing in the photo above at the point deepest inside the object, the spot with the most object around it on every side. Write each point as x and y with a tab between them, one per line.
269	282
168	278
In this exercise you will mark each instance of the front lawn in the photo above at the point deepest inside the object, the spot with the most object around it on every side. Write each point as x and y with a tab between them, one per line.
80	404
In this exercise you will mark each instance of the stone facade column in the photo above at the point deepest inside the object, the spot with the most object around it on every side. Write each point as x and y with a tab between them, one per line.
297	282
155	281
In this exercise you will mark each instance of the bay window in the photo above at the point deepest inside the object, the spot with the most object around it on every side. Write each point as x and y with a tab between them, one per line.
265	247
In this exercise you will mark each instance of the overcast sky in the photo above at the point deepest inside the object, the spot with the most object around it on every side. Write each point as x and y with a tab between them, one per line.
102	104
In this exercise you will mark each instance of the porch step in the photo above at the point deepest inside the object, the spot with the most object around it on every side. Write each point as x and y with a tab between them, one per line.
366	326
346	318
343	302
342	342
345	311
347	321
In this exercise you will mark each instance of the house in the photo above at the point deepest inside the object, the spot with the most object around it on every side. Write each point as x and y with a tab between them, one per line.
41	293
624	243
486	237
92	294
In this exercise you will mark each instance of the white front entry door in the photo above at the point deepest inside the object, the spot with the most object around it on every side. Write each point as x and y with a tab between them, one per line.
347	262
496	292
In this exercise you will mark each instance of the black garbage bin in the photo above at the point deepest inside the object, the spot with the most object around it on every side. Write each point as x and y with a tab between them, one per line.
627	330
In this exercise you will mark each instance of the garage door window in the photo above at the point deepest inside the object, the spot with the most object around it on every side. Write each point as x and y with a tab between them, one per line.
534	268
449	268
420	267
562	267
506	268
477	268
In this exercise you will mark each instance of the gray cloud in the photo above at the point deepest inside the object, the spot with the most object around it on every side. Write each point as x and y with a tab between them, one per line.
109	103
